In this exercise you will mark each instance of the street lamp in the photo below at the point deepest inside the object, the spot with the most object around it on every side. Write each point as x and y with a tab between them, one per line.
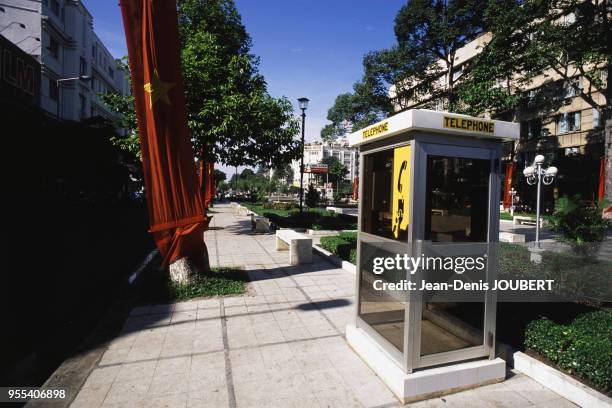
535	174
62	80
512	194
303	104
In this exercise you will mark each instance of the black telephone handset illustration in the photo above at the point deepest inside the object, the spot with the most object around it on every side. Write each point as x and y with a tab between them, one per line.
400	201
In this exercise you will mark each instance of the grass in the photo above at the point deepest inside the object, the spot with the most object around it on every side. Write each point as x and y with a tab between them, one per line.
222	281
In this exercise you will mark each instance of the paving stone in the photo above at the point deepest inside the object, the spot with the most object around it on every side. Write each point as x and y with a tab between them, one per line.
281	345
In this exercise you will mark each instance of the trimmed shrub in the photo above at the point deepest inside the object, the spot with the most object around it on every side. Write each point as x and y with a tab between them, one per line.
338	246
279	206
579	224
348	236
583	347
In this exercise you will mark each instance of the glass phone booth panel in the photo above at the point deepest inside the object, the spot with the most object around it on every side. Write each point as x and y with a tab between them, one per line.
456	210
383	233
460	187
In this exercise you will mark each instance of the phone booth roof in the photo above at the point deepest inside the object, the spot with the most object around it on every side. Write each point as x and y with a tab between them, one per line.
438	122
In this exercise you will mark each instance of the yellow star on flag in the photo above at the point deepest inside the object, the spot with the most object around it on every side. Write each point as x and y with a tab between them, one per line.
157	89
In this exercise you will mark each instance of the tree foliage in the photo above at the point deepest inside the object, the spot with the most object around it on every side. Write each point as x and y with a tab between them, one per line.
559	39
428	34
337	171
232	117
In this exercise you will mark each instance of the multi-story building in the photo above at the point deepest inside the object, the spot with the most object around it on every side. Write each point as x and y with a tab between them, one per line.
60	35
555	121
316	152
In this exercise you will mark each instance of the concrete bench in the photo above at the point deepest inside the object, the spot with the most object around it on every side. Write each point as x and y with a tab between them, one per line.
240	210
299	246
260	224
521	219
511	237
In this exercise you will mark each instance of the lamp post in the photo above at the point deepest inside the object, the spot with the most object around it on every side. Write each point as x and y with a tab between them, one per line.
303	104
62	80
535	174
512	194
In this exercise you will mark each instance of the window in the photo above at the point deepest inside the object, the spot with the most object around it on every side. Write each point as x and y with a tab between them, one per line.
111	72
82	66
53	90
568	122
457	72
93	51
457	199
572	151
596	118
531	128
55	7
54	47
569	88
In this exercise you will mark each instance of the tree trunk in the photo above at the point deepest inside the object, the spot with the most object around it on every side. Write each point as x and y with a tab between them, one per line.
185	270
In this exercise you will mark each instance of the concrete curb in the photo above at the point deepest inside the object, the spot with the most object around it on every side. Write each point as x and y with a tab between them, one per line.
559	382
335	260
326	232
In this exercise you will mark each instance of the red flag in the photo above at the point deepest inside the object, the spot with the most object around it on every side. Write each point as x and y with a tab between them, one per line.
177	214
355	193
210	184
206	172
508	185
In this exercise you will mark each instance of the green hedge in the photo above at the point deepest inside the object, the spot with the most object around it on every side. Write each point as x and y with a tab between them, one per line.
338	246
348	236
583	347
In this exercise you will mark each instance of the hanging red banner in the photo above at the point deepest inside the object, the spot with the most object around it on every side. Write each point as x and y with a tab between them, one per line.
508	185
176	209
355	192
601	191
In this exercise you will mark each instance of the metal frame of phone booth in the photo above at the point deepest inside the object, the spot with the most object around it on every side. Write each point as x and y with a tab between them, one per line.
418	139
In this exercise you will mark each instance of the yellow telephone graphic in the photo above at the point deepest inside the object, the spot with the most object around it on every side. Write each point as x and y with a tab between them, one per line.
401	190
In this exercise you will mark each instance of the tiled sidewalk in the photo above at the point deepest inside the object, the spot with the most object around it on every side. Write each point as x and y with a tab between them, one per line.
281	345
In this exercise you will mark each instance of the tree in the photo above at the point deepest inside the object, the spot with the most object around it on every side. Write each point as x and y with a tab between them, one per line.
246	173
123	106
336	170
312	196
563	39
417	70
220	176
430	33
352	111
229	108
232	118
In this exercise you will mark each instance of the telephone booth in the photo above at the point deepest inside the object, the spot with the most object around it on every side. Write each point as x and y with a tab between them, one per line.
430	186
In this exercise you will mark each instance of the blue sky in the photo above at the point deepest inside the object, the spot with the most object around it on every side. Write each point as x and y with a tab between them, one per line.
310	48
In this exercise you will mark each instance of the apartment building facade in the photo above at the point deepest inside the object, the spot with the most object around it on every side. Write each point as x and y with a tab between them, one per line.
315	152
60	35
555	122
